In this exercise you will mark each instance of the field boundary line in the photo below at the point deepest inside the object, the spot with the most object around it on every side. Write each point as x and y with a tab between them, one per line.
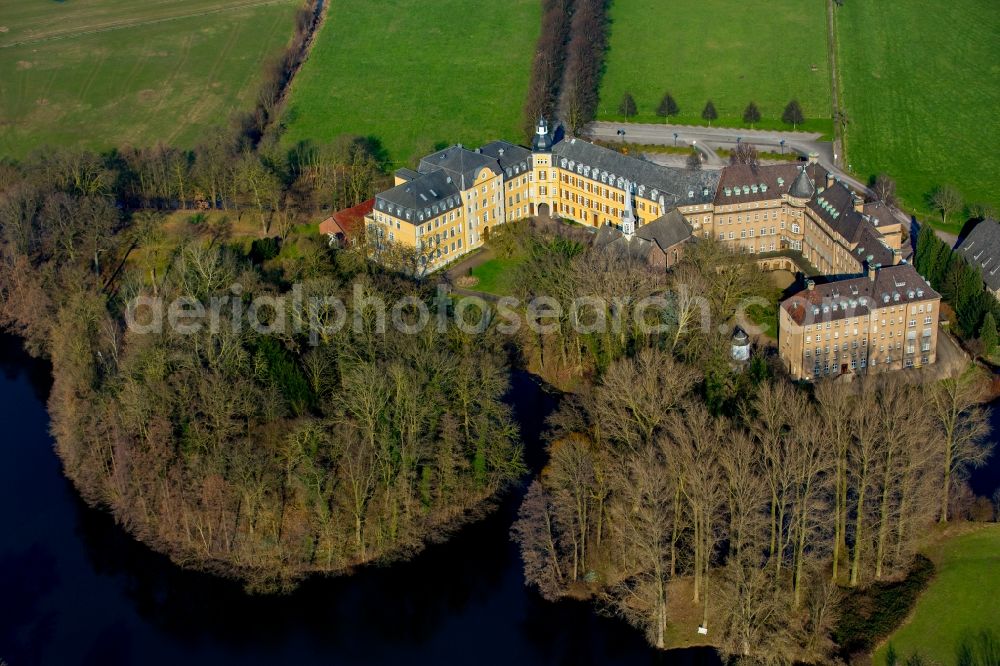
838	139
120	25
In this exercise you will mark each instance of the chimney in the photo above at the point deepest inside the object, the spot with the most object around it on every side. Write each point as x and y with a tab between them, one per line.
859	203
810	285
813	158
829	179
871	272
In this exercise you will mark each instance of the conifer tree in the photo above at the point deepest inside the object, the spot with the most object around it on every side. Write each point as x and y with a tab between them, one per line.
709	113
793	114
925	247
988	334
940	264
668	106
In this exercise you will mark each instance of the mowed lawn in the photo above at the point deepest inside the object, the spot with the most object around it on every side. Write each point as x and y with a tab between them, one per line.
921	88
496	276
962	599
415	73
729	51
105	73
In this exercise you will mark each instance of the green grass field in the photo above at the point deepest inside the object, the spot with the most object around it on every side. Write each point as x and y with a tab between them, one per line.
496	276
961	600
920	83
726	50
108	72
415	73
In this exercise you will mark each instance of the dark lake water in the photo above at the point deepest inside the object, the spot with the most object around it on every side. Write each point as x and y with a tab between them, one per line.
75	589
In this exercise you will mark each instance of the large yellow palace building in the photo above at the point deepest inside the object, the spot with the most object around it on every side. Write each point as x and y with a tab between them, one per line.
446	207
798	214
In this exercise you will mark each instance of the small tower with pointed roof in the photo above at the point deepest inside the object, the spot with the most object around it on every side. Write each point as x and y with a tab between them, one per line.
740	348
542	143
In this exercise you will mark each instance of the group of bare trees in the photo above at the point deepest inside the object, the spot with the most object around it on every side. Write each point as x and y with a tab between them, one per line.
568	63
756	518
219	173
610	305
256	455
584	62
547	67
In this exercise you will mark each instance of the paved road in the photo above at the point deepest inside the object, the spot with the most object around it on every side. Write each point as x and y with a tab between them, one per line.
707	139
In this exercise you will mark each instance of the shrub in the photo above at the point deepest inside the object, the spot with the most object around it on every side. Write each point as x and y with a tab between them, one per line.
868	615
264	249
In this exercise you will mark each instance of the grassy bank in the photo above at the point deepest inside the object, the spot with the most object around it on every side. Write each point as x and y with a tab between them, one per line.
962	600
108	72
414	74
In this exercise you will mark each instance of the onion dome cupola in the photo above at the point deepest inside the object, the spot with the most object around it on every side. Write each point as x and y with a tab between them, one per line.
542	142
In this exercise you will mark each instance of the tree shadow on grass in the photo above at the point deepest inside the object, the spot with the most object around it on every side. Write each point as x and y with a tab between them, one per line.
979	649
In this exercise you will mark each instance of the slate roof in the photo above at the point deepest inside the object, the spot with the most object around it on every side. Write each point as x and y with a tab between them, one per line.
871	249
512	159
859	296
423	197
879	214
981	248
406	174
835	206
677	187
667	230
662	233
742	183
803	186
461	164
613	240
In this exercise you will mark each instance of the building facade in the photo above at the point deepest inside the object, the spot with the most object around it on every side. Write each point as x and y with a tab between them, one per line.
877	313
446	207
885	320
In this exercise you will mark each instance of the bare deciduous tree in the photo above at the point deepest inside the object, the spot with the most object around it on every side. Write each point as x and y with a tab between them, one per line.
962	426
